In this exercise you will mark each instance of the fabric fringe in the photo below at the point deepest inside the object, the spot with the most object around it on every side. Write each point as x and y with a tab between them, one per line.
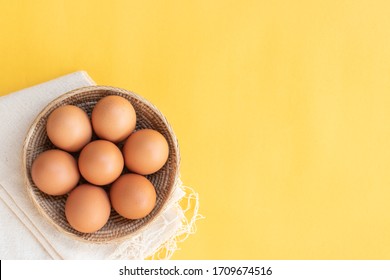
138	247
167	249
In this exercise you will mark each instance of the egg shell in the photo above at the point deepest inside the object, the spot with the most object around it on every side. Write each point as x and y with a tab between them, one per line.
113	118
101	162
133	196
55	172
69	128
87	208
145	151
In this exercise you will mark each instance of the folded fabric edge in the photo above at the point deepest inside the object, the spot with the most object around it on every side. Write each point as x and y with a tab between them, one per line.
86	76
83	73
25	220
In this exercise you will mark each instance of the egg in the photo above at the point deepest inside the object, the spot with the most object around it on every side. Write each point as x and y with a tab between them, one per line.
133	196
145	151
100	162
69	128
113	118
55	172
87	208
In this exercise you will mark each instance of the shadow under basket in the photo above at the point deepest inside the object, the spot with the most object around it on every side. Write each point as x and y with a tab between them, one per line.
53	207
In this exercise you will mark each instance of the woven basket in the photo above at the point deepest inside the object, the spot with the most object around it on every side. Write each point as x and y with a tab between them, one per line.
53	207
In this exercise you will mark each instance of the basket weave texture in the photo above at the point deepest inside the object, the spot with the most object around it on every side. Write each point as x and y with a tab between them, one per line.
53	207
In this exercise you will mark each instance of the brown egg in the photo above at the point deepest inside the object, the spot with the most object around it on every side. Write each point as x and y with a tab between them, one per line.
55	172
69	128
133	196
113	118
145	151
101	162
87	208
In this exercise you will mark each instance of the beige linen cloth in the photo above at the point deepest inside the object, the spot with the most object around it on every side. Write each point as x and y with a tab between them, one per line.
25	234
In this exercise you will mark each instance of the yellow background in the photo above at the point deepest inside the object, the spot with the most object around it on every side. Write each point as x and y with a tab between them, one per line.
281	108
